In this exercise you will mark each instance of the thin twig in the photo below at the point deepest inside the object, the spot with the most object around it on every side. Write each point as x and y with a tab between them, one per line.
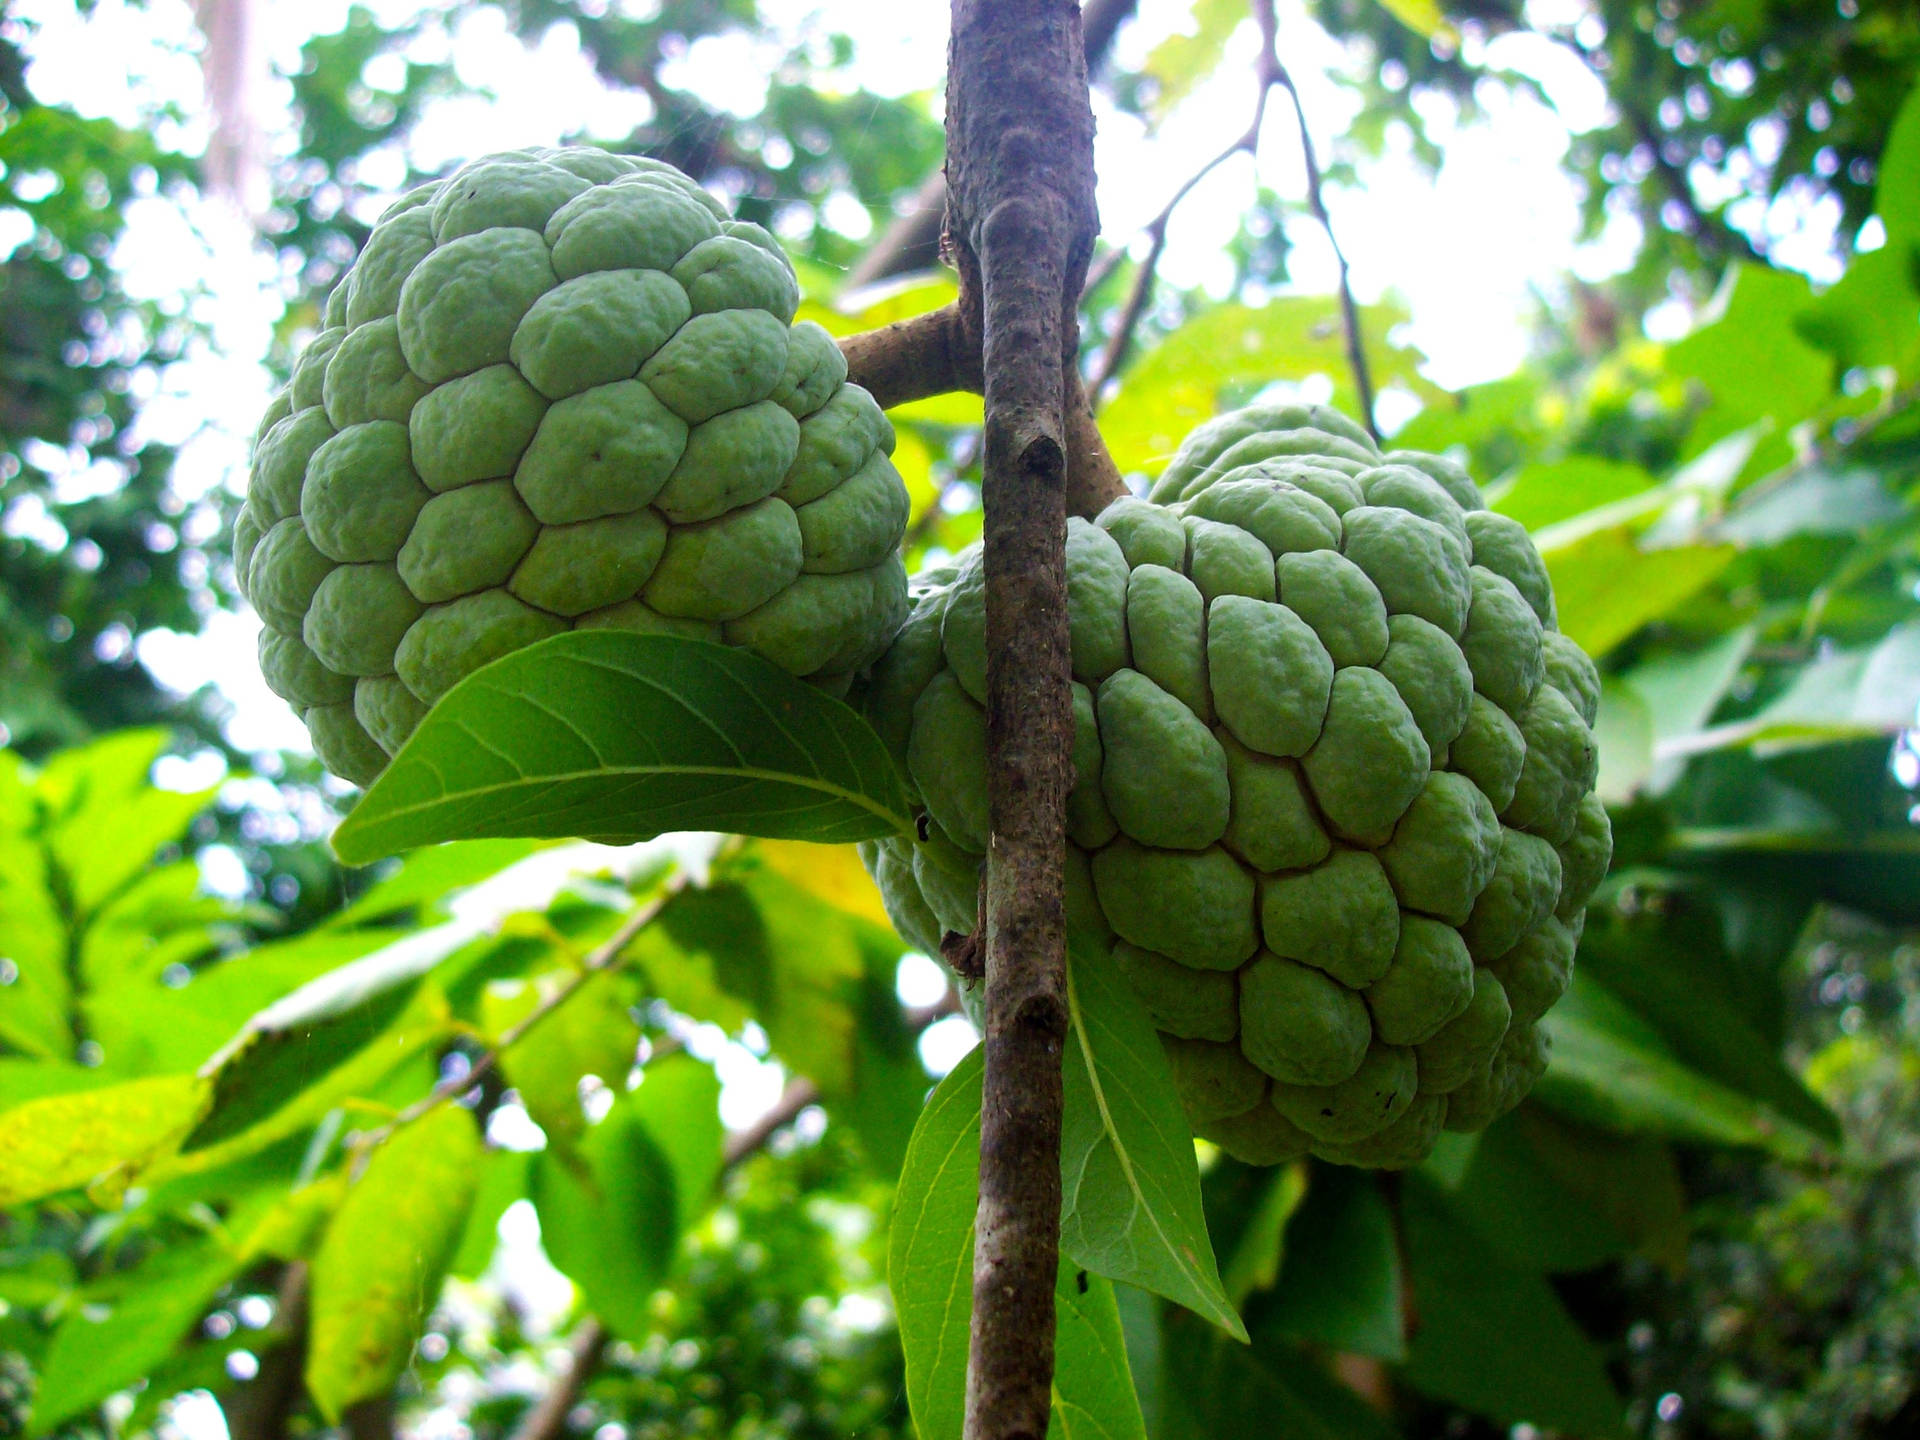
1115	353
546	1419
602	958
1273	72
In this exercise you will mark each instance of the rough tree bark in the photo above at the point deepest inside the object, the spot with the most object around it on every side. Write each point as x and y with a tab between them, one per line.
1020	225
939	352
912	242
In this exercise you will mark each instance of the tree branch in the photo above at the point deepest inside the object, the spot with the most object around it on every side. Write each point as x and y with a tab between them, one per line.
260	1409
1020	225
1115	354
547	1420
938	353
912	242
603	957
1273	72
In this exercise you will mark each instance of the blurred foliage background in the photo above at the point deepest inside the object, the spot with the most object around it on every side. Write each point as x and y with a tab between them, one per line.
1702	1225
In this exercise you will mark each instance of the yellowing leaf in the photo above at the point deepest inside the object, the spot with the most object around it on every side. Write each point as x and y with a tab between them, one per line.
379	1269
1423	17
59	1142
832	873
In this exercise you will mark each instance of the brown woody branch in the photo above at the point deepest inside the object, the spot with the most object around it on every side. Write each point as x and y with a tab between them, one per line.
938	353
1020	225
912	242
260	1409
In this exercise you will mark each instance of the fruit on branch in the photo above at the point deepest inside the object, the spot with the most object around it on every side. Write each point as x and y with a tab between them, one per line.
1332	814
560	388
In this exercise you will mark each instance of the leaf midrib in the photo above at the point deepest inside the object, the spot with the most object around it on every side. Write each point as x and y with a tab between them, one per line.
1112	1134
399	813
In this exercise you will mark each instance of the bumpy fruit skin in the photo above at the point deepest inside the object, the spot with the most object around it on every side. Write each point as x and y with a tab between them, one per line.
1332	815
561	388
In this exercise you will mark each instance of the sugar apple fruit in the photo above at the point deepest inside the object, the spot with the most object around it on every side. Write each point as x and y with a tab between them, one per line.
1333	814
560	388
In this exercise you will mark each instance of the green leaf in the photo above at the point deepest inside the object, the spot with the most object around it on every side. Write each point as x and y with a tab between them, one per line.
1558	1197
757	946
105	818
33	934
930	1249
1493	1337
1423	17
1670	981
1613	1070
1849	695
378	1272
58	1142
283	1051
1623	731
610	1216
1130	1186
361	1074
1180	63
1815	501
1340	1281
431	877
1185	379
930	1271
1217	1390
1253	1264
1093	1395
1681	690
622	737
679	1102
1750	362
1544	494
591	1032
503	1179
148	1311
1606	586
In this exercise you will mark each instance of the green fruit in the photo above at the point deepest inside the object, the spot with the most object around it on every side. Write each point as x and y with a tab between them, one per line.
1332	775
562	388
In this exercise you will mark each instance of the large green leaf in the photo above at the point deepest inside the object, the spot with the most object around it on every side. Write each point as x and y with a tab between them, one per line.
1751	364
759	947
1670	980
591	1032
1130	1202
105	819
679	1103
1547	492
610	1216
1607	586
1611	1069
145	1314
1183	380
1214	1389
1493	1337
284	1051
623	737
58	1142
1873	690
378	1271
1340	1283
930	1249
1554	1196
930	1270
